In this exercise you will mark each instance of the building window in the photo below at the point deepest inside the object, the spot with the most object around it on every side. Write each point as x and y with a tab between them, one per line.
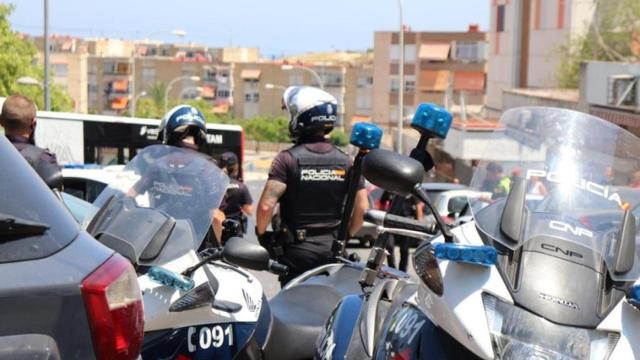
148	75
61	70
363	102
222	94
469	51
561	6
500	18
395	84
410	85
329	78
537	14
365	81
114	68
410	53
210	74
252	97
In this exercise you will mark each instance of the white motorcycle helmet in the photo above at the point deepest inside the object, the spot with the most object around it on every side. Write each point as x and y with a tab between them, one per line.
310	110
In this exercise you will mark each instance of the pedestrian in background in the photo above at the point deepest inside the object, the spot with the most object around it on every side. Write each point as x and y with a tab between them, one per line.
411	208
238	204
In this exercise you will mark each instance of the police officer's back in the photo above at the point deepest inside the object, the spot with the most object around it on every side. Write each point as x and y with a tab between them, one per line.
309	182
18	118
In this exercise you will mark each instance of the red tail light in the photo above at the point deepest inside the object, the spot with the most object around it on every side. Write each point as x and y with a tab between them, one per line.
114	308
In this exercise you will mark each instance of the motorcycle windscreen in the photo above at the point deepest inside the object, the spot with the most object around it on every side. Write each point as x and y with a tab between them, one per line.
163	184
555	173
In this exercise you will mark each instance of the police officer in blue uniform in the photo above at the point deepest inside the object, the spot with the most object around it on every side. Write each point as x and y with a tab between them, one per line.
309	182
184	126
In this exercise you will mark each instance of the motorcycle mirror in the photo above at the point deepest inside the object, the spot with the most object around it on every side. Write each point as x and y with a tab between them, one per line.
247	254
391	171
625	245
514	213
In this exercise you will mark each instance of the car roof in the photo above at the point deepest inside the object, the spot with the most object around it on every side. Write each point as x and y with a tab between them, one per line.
442	186
103	175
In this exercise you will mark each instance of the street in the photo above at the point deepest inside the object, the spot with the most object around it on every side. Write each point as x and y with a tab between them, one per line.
256	168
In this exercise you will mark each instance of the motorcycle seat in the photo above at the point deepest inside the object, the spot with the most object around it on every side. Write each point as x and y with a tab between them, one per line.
299	314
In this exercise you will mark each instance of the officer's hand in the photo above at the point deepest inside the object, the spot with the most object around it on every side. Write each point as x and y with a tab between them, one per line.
264	239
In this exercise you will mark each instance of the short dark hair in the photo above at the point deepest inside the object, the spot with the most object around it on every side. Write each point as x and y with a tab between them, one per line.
17	113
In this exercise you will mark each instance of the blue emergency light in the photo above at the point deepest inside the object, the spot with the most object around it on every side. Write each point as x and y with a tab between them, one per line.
433	120
633	296
480	255
365	136
169	278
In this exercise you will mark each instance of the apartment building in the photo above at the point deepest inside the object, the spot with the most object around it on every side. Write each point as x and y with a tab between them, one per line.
105	76
440	67
524	38
68	59
258	87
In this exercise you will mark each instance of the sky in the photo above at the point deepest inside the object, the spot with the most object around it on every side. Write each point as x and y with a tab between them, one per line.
277	27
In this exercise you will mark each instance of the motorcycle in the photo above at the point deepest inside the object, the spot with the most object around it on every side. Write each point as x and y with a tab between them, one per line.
156	214
306	302
548	269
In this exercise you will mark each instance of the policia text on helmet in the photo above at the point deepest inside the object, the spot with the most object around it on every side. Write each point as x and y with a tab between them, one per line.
309	182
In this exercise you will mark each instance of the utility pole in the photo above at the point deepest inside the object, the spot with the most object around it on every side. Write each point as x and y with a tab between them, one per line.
47	94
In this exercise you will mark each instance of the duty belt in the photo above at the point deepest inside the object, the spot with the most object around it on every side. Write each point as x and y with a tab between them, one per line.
302	234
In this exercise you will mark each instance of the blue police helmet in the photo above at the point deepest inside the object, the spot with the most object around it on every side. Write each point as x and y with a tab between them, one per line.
311	110
180	122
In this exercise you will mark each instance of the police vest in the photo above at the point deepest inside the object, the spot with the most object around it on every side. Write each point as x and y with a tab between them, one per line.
316	192
49	172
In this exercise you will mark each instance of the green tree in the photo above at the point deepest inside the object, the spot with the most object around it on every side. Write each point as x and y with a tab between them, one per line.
266	128
338	138
614	35
156	92
16	60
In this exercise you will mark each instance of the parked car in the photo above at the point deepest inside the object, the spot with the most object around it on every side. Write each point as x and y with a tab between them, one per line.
450	204
87	181
63	294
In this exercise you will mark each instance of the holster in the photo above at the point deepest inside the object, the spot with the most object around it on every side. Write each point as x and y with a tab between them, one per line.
276	241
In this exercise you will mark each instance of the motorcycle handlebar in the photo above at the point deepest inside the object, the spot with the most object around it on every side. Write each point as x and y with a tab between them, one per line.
277	268
382	218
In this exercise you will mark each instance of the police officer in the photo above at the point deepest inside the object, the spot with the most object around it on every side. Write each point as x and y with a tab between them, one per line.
184	127
238	203
308	180
18	118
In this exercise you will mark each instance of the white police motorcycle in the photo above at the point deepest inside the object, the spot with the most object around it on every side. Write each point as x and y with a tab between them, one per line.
156	213
548	270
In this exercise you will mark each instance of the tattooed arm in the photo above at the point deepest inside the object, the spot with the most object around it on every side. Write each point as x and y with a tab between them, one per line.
273	190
